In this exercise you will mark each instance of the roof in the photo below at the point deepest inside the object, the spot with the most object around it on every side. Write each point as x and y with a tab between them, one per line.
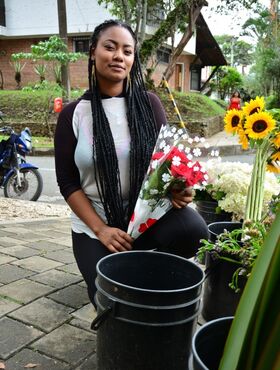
207	48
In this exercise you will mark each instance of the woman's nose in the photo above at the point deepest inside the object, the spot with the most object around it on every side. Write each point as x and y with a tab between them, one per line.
118	55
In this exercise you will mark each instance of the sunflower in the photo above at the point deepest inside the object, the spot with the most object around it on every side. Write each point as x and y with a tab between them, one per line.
254	106
276	141
232	120
259	125
276	156
243	139
272	168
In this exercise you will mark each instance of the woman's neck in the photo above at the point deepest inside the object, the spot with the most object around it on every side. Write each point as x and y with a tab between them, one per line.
111	89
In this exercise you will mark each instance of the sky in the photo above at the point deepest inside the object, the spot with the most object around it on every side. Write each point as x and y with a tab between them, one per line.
226	24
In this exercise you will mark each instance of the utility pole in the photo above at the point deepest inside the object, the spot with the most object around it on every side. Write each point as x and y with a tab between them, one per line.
232	41
62	25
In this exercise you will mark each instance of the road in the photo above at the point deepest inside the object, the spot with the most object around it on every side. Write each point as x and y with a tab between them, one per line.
51	192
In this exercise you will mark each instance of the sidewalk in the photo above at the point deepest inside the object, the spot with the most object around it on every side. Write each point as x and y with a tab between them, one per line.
45	314
225	143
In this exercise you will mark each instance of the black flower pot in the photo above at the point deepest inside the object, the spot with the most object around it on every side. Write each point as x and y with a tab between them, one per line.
207	209
219	299
208	344
217	228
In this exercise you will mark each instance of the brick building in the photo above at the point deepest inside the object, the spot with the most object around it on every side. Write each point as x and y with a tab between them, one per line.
23	23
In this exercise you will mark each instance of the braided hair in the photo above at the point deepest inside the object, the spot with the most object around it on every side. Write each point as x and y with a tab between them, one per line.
143	134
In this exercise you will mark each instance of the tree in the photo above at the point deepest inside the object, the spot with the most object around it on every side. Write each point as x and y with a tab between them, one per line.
236	51
53	49
174	15
226	80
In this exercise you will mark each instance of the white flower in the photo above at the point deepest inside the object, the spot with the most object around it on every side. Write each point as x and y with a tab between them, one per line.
153	191
197	152
173	129
166	149
154	164
176	136
190	164
190	140
180	131
165	134
206	145
185	136
181	147
160	136
196	168
214	153
176	161
162	144
187	150
166	177
202	139
190	156
197	139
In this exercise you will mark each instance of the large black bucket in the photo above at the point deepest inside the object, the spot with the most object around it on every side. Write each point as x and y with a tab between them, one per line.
147	306
208	344
207	210
217	228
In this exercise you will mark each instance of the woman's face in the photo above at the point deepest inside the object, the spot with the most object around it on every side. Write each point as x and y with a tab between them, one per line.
114	54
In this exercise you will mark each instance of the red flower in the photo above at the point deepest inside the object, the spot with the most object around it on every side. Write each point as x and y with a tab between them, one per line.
175	152
187	173
143	227
157	155
181	171
132	217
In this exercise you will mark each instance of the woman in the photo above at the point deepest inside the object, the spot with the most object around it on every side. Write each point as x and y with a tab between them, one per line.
235	101
103	146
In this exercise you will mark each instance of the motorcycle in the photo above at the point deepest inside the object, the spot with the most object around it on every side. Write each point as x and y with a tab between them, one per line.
19	179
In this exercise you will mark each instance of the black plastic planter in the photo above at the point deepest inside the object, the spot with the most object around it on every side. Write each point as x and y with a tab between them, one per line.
148	303
217	228
208	344
207	210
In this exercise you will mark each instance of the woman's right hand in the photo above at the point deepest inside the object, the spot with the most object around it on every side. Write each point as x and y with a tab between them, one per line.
114	239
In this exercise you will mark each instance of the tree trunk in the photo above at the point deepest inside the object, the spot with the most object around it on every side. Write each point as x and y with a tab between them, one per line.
126	12
143	21
194	13
62	23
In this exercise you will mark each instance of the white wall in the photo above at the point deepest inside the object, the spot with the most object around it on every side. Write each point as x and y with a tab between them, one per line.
39	17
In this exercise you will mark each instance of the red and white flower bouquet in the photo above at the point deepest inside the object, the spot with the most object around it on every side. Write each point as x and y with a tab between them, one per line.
173	166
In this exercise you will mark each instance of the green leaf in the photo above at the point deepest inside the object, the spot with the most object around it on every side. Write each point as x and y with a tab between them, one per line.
252	336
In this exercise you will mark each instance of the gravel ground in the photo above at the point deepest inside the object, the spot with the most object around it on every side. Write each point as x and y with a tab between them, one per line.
19	209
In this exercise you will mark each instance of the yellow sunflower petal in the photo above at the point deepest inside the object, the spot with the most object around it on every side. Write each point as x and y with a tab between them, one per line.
272	168
276	156
232	120
259	125
254	106
276	141
243	139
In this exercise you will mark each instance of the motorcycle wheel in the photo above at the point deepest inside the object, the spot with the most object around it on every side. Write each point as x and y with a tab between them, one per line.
31	185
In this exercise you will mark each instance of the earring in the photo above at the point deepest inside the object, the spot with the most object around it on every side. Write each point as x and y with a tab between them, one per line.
128	82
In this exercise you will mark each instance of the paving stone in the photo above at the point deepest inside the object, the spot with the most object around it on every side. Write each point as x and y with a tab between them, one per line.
6	259
82	324
45	245
14	336
67	241
67	343
20	251
27	356
7	306
74	296
43	313
9	273
7	241
31	236
25	291
56	279
88	364
86	313
57	234
19	230
64	256
72	268
37	263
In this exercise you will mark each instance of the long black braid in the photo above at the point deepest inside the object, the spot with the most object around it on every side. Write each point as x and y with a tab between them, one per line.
143	134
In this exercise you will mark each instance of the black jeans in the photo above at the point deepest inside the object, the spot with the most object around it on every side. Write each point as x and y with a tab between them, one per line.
178	232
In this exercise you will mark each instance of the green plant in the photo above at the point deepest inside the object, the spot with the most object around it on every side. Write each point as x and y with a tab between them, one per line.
18	67
57	73
41	69
254	337
240	247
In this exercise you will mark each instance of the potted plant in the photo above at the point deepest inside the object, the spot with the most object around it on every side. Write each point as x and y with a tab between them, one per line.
254	334
229	261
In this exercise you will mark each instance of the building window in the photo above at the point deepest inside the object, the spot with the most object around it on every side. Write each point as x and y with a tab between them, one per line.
2	13
195	78
163	55
81	44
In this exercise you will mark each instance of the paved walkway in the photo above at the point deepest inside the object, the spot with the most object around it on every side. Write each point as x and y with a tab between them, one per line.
45	314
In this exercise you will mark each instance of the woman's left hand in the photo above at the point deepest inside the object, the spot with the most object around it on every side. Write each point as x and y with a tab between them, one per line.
181	198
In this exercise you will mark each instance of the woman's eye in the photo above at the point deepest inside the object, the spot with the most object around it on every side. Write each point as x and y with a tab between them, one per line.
128	52
109	47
